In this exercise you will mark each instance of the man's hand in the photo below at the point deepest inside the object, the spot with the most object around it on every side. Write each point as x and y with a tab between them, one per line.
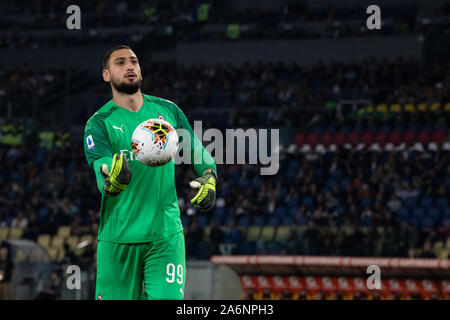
205	199
118	178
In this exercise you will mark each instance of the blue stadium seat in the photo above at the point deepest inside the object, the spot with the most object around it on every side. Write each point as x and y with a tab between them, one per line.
292	211
426	202
442	202
411	202
281	212
308	202
219	211
185	220
366	220
434	213
287	221
244	221
303	221
246	248
259	221
293	203
414	221
402	214
427	222
203	221
418	212
273	221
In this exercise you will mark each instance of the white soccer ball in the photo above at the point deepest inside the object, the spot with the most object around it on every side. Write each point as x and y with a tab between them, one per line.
154	142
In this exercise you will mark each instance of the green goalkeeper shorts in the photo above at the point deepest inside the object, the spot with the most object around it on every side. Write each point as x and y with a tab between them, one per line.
147	271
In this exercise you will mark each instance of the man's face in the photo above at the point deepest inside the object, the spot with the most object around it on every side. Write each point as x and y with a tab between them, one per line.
123	71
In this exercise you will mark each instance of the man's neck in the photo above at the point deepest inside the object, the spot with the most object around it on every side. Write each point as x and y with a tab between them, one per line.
132	102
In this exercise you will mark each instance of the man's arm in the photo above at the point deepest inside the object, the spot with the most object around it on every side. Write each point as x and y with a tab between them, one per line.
111	171
204	166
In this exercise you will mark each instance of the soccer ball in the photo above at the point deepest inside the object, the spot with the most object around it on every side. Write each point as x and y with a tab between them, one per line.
154	142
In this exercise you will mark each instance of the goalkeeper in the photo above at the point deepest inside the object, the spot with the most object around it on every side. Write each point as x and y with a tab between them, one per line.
140	236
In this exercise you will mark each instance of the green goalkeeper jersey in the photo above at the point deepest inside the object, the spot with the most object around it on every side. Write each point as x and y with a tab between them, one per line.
147	210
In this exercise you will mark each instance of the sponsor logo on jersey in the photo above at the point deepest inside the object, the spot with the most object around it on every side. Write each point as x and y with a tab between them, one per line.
161	117
90	143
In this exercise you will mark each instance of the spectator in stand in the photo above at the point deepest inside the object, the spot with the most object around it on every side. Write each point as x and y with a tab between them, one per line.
427	251
216	237
6	270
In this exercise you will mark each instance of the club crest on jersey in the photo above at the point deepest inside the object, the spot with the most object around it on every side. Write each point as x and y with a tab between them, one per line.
90	143
161	117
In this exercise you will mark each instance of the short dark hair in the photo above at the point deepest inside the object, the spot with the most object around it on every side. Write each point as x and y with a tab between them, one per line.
110	51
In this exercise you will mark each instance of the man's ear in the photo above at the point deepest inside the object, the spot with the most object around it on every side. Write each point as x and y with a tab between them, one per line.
106	75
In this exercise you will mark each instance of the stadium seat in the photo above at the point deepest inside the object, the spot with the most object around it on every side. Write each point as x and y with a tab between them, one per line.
267	233
340	139
409	107
202	220
326	139
289	221
411	202
64	231
244	221
435	106
382	108
185	220
253	233
4	233
53	253
281	211
427	222
437	247
206	233
259	221
409	138
395	137
367	138
273	221
15	233
87	237
395	108
418	212
438	136
422	107
72	242
44	240
381	138
426	202
312	139
353	138
282	233
402	214
442	202
57	242
246	248
447	244
434	213
444	254
300	139
424	137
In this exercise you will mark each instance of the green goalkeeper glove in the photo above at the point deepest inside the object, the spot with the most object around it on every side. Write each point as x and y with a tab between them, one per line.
118	178
205	199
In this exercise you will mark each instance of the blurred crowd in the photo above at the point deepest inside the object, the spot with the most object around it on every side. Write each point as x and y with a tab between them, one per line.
246	95
204	20
340	200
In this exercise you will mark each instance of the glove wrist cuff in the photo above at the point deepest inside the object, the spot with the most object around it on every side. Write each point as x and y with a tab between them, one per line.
211	171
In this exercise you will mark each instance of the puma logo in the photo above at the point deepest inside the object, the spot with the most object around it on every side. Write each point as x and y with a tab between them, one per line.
118	128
